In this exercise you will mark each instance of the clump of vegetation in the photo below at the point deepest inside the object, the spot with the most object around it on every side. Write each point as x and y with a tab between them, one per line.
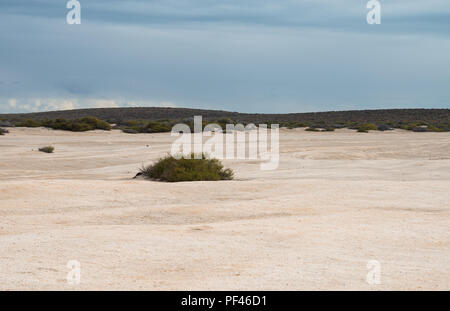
171	169
129	131
140	126
47	149
432	128
366	127
3	131
77	125
384	127
418	129
312	129
29	123
4	123
292	125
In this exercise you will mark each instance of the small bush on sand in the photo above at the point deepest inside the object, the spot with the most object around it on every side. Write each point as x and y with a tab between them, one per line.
366	127
3	131
432	128
137	126
171	169
29	123
384	127
419	129
96	123
47	149
312	129
130	131
4	123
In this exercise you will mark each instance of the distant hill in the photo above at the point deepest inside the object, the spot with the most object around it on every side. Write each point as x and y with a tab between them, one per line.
119	115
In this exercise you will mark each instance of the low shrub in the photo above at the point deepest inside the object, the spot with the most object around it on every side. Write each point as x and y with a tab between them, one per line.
95	123
171	169
312	129
384	127
6	124
157	127
77	125
292	125
129	131
138	126
419	129
366	127
47	149
3	131
29	123
432	128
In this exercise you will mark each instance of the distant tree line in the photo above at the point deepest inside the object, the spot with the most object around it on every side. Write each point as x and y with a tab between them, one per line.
157	120
77	125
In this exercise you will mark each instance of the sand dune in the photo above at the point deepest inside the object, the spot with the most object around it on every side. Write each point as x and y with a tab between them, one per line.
337	201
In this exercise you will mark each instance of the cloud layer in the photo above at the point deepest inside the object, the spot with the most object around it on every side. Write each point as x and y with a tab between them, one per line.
249	56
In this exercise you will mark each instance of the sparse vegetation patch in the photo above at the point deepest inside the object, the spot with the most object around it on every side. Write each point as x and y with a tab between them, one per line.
157	120
47	149
29	123
77	125
171	169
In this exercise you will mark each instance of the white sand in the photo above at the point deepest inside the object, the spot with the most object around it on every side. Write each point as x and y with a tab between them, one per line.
338	200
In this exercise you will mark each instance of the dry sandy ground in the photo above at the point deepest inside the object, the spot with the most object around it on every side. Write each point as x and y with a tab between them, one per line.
338	200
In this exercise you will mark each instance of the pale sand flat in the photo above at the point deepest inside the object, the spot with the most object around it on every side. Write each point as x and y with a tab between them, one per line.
338	200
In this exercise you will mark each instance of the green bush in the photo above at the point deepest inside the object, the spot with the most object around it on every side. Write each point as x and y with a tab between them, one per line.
432	128
312	129
47	149
77	125
292	125
384	127
130	131
95	123
366	127
3	131
138	126
157	127
29	123
171	169
5	123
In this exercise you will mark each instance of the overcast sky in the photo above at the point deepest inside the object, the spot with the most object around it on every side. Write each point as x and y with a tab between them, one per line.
239	55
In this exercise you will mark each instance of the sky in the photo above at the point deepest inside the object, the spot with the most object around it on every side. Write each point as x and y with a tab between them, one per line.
267	56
